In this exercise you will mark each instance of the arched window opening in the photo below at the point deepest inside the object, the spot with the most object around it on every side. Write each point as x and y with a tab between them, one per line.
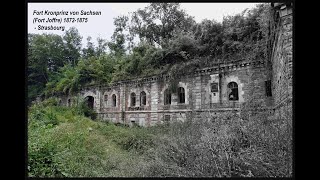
233	91
143	99
114	100
167	97
181	95
133	99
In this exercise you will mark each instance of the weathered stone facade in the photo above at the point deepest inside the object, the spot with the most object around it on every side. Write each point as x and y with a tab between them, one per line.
211	91
282	62
199	94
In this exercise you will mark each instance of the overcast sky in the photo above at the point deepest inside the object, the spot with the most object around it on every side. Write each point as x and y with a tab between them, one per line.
102	25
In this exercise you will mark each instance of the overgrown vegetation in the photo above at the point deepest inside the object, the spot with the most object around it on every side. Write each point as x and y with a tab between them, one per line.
169	41
73	142
62	142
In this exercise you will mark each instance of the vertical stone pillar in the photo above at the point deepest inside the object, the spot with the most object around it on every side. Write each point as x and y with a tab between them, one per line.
122	108
196	91
174	98
97	100
154	103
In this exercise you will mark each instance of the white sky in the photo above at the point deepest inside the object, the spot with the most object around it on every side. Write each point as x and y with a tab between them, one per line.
102	26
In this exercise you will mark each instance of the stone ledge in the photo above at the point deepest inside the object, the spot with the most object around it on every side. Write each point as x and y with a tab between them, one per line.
217	68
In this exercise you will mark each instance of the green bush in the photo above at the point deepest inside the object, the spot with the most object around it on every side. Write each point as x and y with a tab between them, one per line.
74	147
81	108
137	140
40	161
50	102
43	115
89	112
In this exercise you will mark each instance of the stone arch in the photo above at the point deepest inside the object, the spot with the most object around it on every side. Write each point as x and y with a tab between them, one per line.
114	97
114	100
90	93
173	96
165	87
167	96
233	94
181	95
186	91
143	98
146	90
106	99
240	87
93	99
89	101
133	99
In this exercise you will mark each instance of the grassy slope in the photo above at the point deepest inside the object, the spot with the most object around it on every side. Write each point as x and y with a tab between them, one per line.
63	142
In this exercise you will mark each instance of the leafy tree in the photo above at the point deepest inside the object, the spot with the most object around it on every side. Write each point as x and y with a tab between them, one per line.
47	53
243	33
90	50
73	44
136	62
170	42
68	83
102	46
96	70
117	43
209	34
157	23
45	56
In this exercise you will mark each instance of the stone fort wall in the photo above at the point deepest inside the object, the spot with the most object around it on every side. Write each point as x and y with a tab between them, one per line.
282	70
206	91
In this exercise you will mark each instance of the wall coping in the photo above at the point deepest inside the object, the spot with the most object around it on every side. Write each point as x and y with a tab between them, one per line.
215	69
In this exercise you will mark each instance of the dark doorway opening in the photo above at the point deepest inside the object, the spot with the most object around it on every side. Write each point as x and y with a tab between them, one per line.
90	101
89	112
69	103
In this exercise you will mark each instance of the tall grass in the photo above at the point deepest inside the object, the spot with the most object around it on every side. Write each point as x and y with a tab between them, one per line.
224	148
63	142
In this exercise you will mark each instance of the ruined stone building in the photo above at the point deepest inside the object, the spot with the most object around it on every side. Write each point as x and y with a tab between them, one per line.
214	90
